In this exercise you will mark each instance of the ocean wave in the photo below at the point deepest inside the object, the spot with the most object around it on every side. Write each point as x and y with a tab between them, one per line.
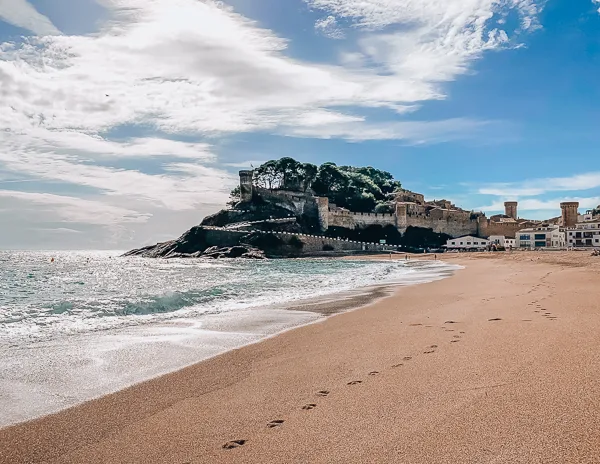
79	295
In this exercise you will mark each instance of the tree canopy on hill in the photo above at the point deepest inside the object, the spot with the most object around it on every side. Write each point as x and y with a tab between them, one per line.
362	189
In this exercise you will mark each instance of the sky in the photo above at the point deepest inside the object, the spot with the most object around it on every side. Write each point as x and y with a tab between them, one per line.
124	122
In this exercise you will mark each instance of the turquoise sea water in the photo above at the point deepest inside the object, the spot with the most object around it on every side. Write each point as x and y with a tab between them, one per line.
81	292
77	325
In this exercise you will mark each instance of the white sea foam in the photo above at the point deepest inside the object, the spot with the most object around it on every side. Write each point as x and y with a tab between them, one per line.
90	323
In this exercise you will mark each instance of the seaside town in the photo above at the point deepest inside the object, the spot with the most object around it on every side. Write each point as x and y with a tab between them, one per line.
285	208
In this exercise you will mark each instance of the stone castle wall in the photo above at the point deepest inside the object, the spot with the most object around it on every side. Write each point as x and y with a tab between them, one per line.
508	229
455	227
218	236
352	220
315	243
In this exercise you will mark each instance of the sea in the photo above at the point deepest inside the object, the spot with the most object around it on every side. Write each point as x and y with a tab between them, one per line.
77	325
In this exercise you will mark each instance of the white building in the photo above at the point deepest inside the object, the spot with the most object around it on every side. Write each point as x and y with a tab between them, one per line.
544	236
584	234
468	243
501	240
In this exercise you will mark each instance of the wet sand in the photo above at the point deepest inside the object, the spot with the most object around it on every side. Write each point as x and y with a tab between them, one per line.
497	364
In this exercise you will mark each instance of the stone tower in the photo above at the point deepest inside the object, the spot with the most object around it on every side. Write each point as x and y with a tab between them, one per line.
323	212
246	185
569	213
510	209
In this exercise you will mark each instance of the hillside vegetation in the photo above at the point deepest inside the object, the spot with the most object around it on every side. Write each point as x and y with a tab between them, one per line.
361	189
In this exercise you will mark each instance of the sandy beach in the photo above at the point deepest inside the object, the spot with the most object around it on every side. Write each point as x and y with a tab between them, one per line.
497	364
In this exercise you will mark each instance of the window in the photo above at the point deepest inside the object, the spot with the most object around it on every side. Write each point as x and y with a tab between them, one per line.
525	237
453	243
468	243
540	236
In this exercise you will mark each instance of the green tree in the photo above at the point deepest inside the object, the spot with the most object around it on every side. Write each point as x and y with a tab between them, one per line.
268	175
356	188
235	196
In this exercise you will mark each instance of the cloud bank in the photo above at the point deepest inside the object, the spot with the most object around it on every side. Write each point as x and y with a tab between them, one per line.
181	70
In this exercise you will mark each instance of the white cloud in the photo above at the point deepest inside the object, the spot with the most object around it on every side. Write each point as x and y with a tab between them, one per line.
598	2
193	185
413	132
329	28
533	187
197	69
20	13
78	210
194	67
461	14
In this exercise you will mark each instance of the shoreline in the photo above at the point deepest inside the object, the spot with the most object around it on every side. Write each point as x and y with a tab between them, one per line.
481	367
157	349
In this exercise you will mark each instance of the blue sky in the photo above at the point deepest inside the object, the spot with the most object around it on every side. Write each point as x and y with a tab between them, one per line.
125	121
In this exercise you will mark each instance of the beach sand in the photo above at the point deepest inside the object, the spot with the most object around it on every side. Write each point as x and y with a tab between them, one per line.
497	364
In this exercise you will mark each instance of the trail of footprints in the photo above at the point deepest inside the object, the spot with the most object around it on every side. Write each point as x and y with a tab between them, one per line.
539	309
325	393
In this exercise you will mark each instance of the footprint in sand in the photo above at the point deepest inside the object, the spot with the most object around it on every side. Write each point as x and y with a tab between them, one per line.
526	320
354	382
428	351
450	322
398	365
414	325
323	393
234	444
454	341
433	346
462	332
373	373
309	406
455	336
495	319
407	358
275	423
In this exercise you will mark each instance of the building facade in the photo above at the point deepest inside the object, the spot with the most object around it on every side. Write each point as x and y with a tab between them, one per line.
545	236
584	234
467	243
501	240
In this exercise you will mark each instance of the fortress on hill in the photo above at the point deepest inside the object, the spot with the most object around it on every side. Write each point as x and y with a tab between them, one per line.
409	209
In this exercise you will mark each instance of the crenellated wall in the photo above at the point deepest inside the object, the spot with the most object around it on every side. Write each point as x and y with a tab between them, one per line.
451	222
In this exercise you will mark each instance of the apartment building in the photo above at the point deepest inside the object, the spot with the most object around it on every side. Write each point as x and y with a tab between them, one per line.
544	236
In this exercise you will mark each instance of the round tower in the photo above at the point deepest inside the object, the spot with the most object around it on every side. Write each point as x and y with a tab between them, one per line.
510	209
246	185
569	213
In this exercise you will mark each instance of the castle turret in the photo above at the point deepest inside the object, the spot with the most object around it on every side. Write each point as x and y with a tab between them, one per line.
246	185
569	213
510	209
323	212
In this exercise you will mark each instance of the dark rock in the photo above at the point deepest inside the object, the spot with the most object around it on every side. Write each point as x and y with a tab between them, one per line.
237	251
254	254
